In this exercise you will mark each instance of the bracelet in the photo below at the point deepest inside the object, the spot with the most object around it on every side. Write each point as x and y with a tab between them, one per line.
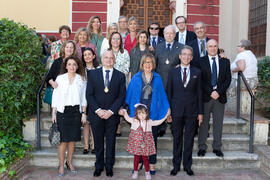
84	112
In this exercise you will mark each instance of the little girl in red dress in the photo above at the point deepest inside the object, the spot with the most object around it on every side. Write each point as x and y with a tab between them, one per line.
141	141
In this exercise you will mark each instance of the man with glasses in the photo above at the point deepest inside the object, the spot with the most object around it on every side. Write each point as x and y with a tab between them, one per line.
199	44
123	30
153	31
183	36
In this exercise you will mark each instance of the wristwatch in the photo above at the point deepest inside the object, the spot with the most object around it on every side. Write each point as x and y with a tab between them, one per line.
84	112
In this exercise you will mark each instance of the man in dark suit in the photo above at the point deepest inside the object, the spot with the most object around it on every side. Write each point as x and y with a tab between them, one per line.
167	54
154	37
185	97
199	44
183	36
167	57
105	94
216	78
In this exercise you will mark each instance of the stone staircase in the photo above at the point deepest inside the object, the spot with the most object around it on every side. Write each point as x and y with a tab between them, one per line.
235	148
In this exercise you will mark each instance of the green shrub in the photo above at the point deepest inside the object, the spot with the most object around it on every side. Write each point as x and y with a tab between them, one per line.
12	148
21	71
264	79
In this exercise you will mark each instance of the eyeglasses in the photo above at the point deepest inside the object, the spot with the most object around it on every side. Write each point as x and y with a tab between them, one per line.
151	28
116	39
180	23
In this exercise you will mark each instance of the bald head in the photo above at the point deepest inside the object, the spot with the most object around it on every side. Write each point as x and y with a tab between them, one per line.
212	47
108	59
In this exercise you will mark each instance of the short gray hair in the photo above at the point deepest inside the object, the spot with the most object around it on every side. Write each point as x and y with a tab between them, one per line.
132	18
199	22
245	44
186	47
169	27
122	17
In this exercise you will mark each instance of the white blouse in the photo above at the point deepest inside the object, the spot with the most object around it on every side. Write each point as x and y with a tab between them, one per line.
67	94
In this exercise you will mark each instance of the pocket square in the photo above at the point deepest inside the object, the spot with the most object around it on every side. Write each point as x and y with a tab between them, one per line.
195	76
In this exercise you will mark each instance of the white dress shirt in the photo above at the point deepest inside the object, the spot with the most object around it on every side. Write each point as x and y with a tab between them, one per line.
217	63
151	39
67	94
184	36
187	73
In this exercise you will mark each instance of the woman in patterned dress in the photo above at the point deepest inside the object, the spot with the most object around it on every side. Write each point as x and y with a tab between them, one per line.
141	141
122	61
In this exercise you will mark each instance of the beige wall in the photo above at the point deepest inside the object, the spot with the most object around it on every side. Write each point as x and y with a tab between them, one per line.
44	15
233	22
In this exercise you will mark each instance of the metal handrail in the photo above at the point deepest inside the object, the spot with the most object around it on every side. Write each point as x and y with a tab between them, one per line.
38	110
251	128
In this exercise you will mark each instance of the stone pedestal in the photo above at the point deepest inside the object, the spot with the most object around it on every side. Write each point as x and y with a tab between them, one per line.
261	130
29	131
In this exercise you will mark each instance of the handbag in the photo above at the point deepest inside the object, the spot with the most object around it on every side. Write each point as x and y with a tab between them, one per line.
48	95
54	135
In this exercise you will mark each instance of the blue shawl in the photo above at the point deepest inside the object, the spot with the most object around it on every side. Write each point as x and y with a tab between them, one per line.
159	104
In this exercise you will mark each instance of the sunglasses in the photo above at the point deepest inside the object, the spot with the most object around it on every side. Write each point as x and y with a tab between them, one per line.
154	28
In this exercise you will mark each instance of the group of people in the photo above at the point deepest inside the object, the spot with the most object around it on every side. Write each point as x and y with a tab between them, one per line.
97	80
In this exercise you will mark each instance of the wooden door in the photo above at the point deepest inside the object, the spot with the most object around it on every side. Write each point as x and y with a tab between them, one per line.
148	11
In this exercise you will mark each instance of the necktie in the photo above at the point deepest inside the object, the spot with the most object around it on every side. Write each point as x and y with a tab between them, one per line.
214	72
202	49
169	47
154	41
185	76
182	39
107	76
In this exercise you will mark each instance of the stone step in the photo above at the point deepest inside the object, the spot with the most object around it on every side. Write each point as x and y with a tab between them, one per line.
231	142
231	160
230	125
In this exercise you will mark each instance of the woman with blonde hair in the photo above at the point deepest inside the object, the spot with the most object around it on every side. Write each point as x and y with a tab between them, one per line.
105	44
67	49
82	39
130	41
95	33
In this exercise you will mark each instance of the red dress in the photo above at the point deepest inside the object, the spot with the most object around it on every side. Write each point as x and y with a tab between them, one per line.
135	141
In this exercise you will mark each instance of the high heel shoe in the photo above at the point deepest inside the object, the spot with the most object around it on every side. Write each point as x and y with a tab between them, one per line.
72	171
60	174
86	151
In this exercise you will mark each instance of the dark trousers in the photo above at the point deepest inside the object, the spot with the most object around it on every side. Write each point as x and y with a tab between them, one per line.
217	108
183	131
104	128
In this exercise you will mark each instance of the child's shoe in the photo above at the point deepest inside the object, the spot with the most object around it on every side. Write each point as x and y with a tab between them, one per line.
147	176
135	175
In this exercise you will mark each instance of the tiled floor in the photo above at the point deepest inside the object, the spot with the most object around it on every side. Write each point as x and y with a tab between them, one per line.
40	173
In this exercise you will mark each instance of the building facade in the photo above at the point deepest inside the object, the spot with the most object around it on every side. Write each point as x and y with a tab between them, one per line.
227	20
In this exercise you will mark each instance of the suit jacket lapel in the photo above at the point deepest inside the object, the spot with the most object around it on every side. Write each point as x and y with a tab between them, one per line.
220	68
208	66
179	76
112	79
191	74
101	77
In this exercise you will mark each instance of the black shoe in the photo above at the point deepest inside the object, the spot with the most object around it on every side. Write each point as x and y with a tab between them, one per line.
201	152
174	172
86	151
189	172
93	151
161	133
97	173
218	153
109	173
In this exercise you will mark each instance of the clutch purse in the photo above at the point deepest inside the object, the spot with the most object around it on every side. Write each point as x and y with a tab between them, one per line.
54	135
